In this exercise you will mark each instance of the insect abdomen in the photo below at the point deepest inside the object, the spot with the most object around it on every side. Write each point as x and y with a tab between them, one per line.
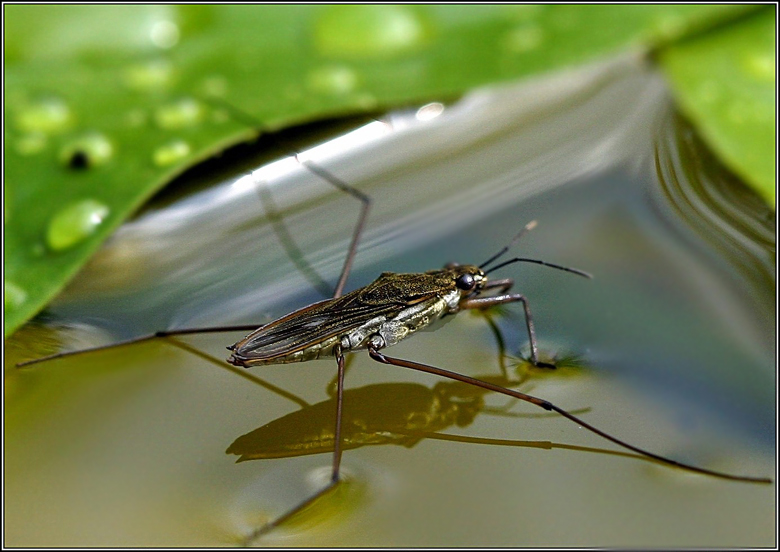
312	352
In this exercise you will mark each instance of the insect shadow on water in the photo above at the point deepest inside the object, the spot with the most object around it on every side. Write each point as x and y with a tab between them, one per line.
379	315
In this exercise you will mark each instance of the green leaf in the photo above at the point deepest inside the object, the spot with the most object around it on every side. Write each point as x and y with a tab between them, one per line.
106	104
724	82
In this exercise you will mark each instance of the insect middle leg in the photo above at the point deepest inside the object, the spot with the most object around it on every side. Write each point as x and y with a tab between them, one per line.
337	352
335	475
501	299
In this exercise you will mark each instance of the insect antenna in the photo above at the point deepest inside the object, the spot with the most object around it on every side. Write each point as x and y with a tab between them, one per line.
544	263
530	226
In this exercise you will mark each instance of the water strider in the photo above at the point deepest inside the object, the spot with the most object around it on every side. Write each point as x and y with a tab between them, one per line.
398	414
380	315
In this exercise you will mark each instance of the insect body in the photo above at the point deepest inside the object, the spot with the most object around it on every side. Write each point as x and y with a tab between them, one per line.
382	313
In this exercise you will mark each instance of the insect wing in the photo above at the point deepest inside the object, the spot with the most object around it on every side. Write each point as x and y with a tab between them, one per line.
309	326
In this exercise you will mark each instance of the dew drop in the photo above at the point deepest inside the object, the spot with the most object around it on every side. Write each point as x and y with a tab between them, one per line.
47	115
151	75
74	223
761	66
178	114
368	31
524	38
164	34
91	149
170	153
332	79
13	294
30	144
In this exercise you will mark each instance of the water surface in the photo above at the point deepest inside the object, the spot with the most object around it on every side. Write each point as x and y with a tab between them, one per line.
674	336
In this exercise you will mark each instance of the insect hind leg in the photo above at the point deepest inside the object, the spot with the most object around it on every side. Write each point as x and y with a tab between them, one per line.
322	173
375	353
140	339
359	227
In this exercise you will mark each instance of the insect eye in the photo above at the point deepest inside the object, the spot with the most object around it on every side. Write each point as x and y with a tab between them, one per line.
465	282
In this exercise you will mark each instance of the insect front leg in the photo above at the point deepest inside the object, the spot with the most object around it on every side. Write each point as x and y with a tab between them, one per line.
485	302
336	466
503	285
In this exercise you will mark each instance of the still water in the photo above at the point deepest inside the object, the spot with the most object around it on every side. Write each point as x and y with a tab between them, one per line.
670	346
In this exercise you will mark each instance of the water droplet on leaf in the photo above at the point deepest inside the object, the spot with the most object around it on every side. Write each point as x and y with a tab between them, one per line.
89	150
761	65
14	295
30	144
181	113
170	153
151	75
332	79
74	223
164	34
368	31
44	116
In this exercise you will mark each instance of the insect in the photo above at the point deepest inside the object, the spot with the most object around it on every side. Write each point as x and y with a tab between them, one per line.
392	413
383	313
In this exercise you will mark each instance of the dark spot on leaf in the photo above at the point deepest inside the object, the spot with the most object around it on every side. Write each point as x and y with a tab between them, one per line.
78	160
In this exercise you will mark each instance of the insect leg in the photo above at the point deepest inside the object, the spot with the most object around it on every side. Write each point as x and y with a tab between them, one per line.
332	388
326	175
483	302
334	478
356	233
373	351
503	285
148	337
